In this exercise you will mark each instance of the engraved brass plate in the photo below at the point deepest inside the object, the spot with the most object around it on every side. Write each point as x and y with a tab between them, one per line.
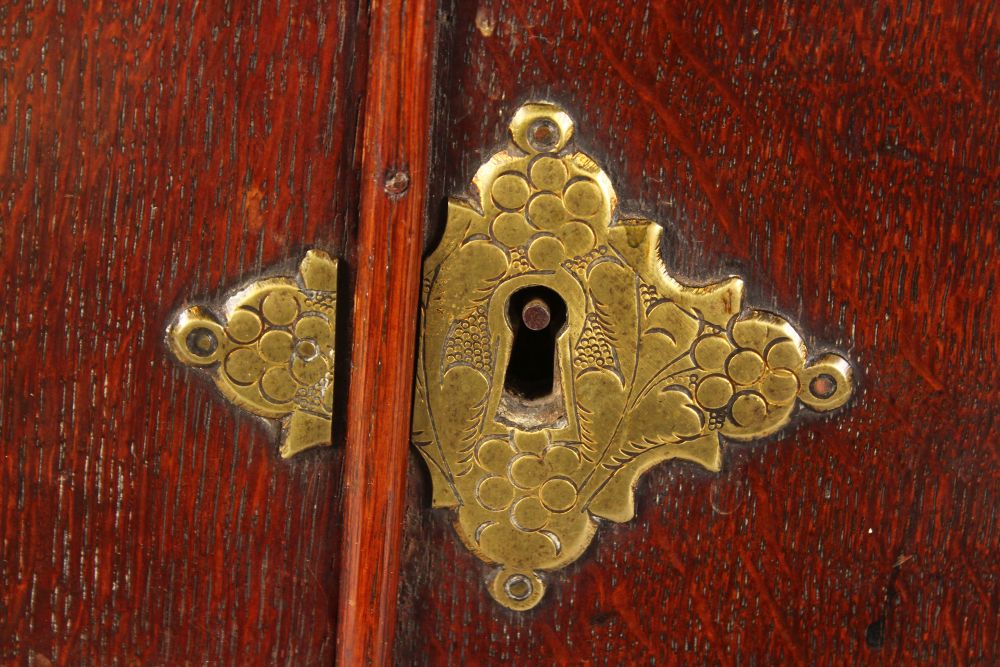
643	368
272	353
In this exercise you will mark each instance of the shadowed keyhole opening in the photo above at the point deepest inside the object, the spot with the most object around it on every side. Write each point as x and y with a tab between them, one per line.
536	315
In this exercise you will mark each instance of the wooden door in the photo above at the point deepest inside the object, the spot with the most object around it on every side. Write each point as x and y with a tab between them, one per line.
159	153
841	158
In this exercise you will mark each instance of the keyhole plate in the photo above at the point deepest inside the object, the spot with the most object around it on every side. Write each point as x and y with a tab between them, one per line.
645	369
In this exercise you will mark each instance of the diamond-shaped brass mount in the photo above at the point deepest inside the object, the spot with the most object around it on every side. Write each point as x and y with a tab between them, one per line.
271	351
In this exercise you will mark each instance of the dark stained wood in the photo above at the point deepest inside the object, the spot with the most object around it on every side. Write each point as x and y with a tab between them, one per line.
151	154
840	156
843	158
394	177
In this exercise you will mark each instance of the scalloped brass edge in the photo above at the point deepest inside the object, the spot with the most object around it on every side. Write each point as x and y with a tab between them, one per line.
647	369
270	349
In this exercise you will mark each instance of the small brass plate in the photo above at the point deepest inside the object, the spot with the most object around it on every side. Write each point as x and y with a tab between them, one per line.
643	368
274	354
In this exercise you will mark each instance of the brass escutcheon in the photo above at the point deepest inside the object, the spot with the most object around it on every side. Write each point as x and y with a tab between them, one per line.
559	361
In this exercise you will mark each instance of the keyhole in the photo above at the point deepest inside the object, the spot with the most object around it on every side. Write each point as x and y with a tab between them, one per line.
536	315
532	397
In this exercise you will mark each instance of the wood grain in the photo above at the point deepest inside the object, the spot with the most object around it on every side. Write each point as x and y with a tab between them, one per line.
842	157
151	154
394	177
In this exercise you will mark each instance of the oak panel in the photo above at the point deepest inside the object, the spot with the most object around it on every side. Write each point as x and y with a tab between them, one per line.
153	153
842	158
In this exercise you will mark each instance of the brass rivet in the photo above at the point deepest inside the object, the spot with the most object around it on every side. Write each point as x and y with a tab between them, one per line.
202	342
543	134
823	386
518	587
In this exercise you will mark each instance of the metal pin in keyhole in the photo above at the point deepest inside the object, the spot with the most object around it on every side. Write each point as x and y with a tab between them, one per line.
536	314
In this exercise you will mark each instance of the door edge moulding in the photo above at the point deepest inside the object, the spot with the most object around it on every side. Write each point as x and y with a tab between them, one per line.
531	446
269	348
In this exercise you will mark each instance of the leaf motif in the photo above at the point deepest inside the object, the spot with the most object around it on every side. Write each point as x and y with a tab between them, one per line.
615	500
442	487
664	416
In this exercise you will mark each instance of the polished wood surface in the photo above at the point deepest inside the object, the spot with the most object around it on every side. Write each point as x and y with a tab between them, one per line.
153	154
842	157
394	177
